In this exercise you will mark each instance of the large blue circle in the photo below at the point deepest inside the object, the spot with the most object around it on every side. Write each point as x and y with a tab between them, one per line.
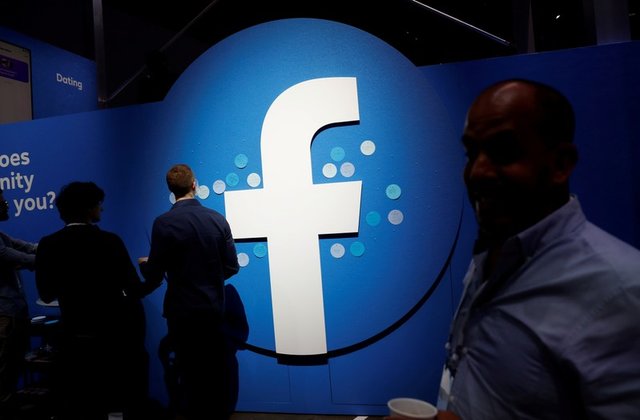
216	110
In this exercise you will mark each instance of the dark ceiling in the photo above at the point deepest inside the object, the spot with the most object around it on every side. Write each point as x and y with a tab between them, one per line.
147	44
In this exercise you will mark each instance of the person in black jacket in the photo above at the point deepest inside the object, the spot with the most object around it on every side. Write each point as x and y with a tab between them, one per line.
89	271
193	246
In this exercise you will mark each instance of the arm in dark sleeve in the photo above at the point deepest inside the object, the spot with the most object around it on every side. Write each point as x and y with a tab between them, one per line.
45	282
128	275
17	253
154	269
230	257
24	246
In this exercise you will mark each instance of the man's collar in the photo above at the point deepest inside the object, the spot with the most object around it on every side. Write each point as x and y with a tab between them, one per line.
186	197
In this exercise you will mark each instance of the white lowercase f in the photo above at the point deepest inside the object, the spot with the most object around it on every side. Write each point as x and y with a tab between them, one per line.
291	211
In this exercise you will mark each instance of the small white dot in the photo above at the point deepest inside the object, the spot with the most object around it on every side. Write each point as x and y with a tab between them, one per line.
367	147
243	259
395	217
203	191
347	169
253	179
329	170
337	250
219	186
172	198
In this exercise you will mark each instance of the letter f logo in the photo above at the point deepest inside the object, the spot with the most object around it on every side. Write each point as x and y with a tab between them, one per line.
291	211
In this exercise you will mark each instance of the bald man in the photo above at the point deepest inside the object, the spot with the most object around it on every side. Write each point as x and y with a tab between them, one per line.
548	326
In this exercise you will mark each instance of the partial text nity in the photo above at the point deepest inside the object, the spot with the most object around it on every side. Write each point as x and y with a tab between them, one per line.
14	178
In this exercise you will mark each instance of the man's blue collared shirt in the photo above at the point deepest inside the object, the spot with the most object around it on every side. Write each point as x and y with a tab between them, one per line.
554	332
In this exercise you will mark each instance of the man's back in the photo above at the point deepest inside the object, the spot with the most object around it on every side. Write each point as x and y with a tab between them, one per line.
89	271
194	246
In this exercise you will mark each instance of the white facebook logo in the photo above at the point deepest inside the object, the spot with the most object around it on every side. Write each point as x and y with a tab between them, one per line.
291	211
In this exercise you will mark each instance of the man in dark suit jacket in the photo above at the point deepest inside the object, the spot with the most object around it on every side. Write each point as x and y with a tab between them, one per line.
194	247
103	357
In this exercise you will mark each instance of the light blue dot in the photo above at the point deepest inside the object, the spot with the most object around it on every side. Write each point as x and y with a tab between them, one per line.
357	249
393	191
232	179
241	160
260	250
373	218
337	153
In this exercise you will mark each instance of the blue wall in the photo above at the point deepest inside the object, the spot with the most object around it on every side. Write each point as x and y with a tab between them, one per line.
601	84
387	310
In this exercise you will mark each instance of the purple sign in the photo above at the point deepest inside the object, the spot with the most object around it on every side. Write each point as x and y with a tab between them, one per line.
14	69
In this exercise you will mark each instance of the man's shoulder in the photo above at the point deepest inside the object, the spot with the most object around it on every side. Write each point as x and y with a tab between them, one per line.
108	235
569	232
52	236
167	215
205	215
191	206
610	247
596	259
51	241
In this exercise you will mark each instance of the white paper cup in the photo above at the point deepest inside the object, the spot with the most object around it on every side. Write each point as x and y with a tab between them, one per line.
412	408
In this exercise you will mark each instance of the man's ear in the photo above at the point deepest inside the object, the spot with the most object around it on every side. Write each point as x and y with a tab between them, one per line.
566	158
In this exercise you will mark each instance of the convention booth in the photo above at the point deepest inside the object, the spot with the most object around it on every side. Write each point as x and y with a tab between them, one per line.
338	163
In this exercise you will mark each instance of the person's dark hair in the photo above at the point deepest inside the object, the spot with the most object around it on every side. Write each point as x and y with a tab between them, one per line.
76	199
180	179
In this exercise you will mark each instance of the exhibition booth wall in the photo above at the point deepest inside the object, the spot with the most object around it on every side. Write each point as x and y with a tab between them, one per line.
339	166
